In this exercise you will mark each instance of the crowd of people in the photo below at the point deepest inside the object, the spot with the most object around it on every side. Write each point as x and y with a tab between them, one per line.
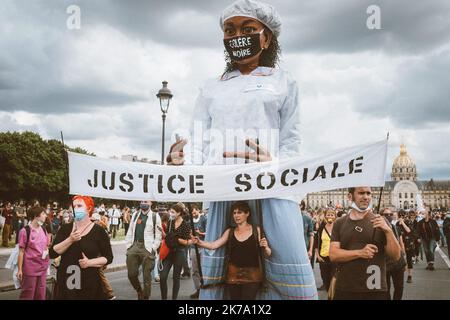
417	232
69	225
345	244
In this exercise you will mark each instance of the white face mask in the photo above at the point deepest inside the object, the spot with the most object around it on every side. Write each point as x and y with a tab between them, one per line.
40	223
354	206
172	216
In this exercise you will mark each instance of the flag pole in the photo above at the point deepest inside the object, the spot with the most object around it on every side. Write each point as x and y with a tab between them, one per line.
66	160
379	202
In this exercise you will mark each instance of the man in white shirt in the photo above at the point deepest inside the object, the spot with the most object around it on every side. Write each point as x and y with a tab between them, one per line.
142	241
114	215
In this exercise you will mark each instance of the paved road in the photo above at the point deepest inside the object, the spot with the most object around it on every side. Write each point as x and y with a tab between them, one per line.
427	285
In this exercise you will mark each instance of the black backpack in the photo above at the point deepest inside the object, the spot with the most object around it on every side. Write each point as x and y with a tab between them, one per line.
171	238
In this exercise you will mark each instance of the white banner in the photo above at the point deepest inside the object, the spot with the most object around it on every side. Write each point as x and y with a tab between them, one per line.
105	178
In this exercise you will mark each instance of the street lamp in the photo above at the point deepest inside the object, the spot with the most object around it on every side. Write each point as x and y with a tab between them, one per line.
164	95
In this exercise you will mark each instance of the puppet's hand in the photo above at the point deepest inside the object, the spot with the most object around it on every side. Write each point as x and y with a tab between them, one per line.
261	154
176	155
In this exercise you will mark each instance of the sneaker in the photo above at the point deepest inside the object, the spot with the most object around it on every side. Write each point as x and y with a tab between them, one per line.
431	267
195	295
409	279
157	279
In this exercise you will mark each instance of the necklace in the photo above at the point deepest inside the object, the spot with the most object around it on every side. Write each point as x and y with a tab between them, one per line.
84	229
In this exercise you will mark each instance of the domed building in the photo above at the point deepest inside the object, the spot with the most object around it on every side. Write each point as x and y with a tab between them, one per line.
403	167
399	193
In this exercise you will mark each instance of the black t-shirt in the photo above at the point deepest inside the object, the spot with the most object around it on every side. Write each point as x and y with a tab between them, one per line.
94	244
183	231
244	253
360	275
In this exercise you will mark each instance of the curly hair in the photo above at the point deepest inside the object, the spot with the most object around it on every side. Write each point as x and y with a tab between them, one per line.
270	57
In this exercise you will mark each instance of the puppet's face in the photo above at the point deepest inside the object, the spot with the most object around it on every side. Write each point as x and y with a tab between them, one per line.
245	38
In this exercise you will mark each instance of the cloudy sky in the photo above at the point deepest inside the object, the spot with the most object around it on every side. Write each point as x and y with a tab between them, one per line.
98	83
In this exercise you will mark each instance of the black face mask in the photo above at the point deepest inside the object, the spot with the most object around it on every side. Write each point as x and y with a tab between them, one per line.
243	47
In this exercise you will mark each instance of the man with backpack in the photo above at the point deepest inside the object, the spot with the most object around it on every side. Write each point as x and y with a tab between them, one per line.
142	241
360	243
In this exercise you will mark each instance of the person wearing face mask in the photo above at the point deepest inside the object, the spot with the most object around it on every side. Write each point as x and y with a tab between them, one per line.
33	258
406	232
84	248
395	269
142	242
322	238
360	242
177	238
429	235
250	103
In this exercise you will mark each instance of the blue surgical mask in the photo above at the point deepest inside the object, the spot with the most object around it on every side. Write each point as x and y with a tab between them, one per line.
144	206
80	214
354	206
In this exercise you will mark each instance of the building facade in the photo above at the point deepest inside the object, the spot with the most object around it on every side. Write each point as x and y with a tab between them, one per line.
399	193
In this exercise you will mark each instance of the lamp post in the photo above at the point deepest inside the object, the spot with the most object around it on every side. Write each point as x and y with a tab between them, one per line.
164	95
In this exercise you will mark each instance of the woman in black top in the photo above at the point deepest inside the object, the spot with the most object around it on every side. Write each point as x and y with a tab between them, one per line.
84	248
243	274
178	230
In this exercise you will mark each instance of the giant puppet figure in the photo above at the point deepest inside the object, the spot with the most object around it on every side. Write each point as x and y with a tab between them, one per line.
241	111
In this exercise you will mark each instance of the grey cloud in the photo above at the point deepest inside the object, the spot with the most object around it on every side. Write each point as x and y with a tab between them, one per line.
63	99
418	97
8	123
319	25
434	172
327	26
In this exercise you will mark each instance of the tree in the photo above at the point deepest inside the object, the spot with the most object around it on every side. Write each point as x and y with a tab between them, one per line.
32	167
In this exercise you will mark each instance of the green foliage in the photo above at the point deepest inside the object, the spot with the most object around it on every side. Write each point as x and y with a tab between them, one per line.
31	167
